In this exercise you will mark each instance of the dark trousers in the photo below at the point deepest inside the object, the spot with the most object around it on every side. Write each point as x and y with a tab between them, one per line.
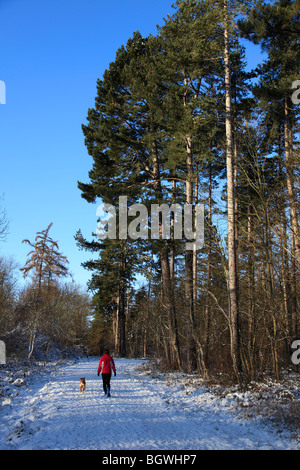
106	382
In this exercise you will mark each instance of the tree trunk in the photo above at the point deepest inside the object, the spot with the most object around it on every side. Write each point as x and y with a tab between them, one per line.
147	319
168	303
251	293
290	177
120	332
120	343
168	294
232	267
189	259
294	289
172	246
295	239
208	275
195	251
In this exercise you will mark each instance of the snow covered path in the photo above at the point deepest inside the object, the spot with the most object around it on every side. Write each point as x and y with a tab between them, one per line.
142	414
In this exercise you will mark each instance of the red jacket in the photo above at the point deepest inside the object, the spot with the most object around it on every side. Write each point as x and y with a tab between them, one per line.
106	364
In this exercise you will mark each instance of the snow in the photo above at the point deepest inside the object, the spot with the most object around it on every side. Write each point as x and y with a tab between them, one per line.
146	411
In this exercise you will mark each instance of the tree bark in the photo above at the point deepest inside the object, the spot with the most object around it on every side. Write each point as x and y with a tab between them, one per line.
189	272
290	177
295	239
232	267
208	275
251	292
168	294
120	331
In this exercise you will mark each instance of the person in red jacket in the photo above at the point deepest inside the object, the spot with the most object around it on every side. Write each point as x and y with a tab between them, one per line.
106	365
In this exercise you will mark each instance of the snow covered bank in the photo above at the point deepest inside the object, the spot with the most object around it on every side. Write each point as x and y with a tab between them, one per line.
145	412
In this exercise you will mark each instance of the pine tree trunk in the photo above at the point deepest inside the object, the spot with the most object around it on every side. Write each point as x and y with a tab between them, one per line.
195	270
116	328
170	307
147	319
251	293
294	289
168	294
295	239
189	259
288	137
120	338
122	320
232	267
120	331
172	246
207	312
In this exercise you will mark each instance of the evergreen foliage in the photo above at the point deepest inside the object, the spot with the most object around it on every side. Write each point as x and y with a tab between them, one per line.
177	119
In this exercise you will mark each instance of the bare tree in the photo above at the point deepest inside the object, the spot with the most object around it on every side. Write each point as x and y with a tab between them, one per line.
45	263
3	222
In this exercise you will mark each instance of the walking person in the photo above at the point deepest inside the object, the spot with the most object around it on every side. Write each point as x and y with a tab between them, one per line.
106	365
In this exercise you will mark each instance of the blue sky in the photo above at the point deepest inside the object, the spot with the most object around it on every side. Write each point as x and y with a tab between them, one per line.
52	53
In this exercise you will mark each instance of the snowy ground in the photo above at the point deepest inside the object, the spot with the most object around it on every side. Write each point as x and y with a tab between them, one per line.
146	412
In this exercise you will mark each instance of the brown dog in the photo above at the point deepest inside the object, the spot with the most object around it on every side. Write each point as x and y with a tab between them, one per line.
82	385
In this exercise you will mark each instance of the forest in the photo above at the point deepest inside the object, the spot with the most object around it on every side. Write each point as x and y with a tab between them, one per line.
179	120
